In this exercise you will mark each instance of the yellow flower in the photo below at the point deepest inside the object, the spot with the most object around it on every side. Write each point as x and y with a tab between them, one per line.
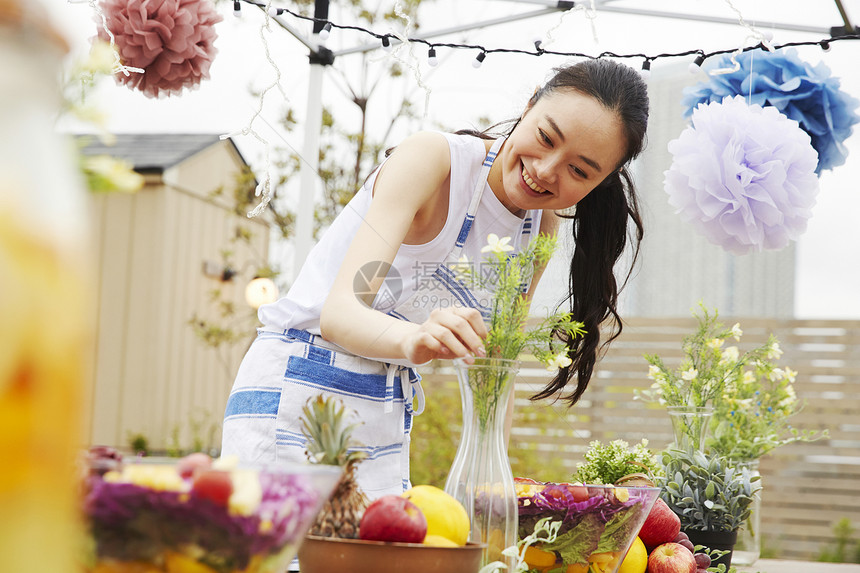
736	331
497	245
690	374
559	361
749	377
715	343
114	174
102	58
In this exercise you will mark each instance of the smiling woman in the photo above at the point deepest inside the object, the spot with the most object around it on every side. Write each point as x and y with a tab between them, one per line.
565	145
423	214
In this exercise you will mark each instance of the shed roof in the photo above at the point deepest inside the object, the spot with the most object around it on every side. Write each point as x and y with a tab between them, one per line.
152	152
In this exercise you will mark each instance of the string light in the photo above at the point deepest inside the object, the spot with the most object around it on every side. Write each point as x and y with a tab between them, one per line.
275	11
479	59
701	56
431	57
646	69
237	8
325	32
537	43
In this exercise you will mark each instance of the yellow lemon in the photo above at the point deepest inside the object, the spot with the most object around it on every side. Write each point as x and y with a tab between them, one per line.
445	515
439	541
636	560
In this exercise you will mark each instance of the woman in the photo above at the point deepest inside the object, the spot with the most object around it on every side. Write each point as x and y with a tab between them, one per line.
378	296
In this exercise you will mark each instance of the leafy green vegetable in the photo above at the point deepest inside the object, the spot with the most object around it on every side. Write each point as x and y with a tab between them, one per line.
576	545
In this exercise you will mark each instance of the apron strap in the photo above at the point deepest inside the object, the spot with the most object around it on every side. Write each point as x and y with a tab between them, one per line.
410	385
480	185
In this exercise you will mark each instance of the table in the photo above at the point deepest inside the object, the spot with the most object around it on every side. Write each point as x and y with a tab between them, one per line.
786	566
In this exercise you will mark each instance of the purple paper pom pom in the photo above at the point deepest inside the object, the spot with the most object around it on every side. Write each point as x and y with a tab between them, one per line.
806	94
743	175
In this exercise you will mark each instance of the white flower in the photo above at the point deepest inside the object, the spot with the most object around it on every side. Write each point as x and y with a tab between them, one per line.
715	343
690	374
730	354
749	377
709	504
654	372
497	245
777	374
775	351
790	375
736	331
558	361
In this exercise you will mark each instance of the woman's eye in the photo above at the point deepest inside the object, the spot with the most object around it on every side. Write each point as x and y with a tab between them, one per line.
579	172
544	137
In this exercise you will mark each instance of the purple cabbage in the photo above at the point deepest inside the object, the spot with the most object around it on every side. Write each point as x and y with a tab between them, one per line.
130	522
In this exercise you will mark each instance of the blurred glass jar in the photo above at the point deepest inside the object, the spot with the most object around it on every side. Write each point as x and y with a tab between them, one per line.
44	330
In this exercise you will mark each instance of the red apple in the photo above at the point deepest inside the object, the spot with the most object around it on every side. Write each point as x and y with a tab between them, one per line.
214	485
393	518
661	526
671	558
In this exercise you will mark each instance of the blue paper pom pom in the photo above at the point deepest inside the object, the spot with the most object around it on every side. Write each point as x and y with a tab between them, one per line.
806	94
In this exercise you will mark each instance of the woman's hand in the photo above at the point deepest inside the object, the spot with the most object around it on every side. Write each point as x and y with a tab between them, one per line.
448	333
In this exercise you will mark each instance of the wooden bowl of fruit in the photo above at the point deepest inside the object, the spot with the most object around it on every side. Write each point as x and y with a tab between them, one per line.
327	554
422	531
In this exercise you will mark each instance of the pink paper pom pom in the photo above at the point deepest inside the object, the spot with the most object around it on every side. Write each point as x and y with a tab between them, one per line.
172	40
743	175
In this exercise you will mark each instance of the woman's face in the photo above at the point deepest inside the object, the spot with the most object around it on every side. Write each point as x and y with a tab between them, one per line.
562	148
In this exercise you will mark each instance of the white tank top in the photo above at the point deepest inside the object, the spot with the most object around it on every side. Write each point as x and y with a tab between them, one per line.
420	279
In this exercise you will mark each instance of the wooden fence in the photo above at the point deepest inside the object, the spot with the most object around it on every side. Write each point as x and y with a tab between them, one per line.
807	486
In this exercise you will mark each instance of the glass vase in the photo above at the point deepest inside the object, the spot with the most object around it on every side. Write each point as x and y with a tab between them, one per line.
748	546
690	425
480	477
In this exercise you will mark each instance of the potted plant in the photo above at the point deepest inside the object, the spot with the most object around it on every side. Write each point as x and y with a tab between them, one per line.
711	497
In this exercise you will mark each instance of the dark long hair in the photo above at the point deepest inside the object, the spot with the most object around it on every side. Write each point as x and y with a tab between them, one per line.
601	221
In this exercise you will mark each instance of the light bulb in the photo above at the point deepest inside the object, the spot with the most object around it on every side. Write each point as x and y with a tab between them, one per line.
261	291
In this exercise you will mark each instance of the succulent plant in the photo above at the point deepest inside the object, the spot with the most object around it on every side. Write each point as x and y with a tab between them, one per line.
706	491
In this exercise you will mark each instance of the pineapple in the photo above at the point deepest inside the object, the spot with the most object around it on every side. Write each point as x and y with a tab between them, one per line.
329	437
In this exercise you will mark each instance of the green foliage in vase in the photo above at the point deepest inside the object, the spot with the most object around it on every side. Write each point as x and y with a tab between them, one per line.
706	491
752	397
508	276
706	367
607	463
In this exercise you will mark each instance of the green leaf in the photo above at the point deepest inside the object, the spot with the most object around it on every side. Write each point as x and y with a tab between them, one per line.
576	545
616	532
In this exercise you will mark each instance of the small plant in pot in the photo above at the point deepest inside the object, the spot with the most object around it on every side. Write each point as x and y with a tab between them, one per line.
711	497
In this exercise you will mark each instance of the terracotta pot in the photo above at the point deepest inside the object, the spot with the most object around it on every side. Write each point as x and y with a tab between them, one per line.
721	540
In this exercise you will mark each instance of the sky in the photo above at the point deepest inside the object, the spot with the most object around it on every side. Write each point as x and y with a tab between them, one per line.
828	264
